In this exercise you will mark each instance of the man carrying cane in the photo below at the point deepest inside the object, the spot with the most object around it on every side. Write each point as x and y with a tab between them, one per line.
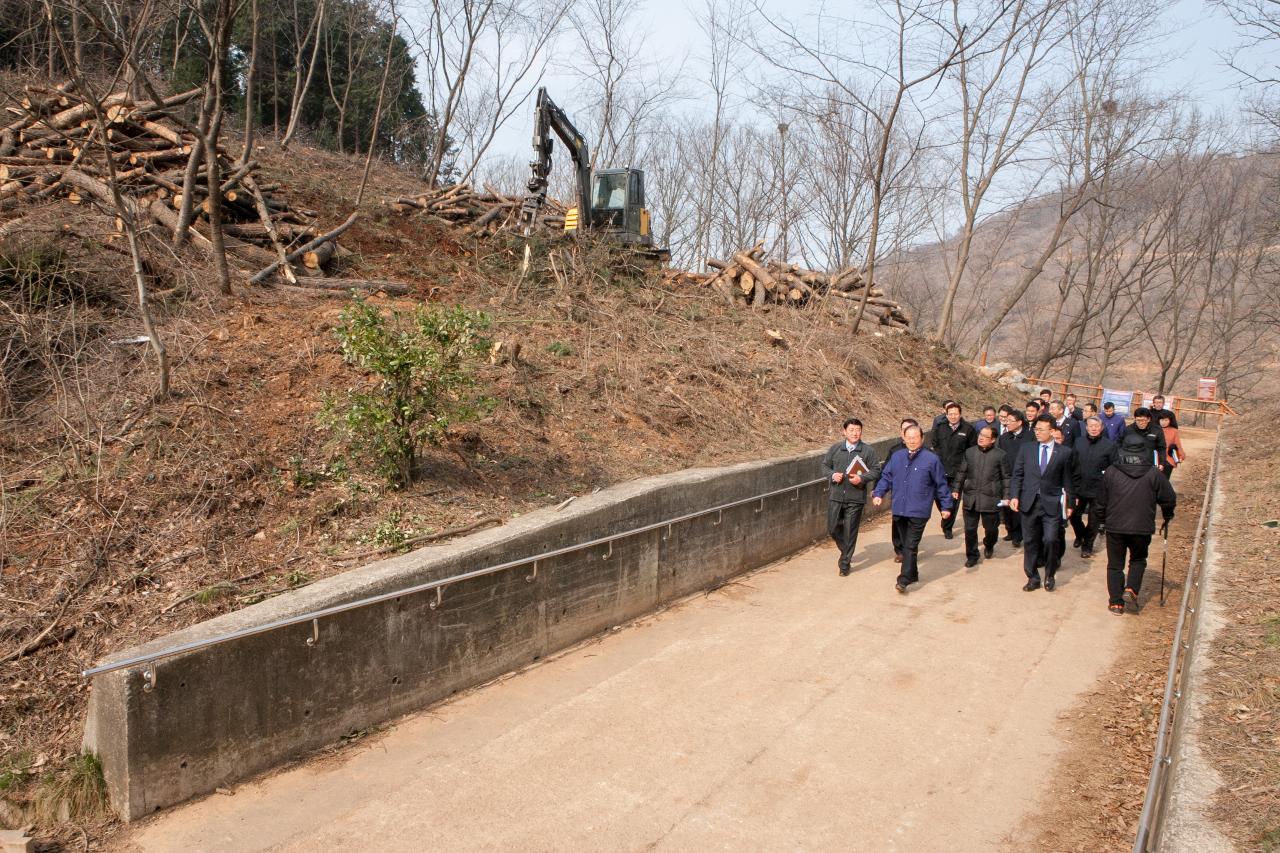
1126	503
851	465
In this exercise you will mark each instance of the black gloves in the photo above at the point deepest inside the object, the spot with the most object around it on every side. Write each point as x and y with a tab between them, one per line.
1164	528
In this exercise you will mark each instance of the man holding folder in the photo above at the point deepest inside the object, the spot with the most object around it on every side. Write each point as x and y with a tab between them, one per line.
852	467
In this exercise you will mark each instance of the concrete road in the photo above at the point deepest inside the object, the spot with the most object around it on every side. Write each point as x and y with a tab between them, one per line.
793	710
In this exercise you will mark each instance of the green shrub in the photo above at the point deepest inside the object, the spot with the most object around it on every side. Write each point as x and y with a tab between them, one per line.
421	362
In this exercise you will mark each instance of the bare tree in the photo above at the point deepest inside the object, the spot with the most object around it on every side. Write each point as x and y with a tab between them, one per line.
302	79
377	112
1096	129
830	62
482	59
1002	110
623	90
129	34
1259	24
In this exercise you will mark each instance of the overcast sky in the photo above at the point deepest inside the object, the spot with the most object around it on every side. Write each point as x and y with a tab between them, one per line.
1199	35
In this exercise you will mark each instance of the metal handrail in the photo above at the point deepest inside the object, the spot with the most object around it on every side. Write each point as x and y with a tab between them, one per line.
437	585
1154	802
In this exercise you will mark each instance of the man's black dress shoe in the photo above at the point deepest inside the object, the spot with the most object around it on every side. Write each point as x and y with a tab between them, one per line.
1049	584
987	552
1031	586
970	563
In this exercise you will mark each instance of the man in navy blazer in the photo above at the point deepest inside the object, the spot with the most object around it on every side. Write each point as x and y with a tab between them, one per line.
1044	480
1062	417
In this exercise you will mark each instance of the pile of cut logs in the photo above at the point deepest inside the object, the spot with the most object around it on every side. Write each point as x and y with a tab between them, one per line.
747	278
479	213
55	148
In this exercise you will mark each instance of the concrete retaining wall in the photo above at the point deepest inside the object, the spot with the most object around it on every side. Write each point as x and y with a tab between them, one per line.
226	712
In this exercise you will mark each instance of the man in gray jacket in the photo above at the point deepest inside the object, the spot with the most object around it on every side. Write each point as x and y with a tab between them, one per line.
982	483
849	487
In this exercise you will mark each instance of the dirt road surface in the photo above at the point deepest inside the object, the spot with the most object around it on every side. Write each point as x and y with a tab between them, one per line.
793	709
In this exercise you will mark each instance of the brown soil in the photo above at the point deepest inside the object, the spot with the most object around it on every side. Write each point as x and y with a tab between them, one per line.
122	519
1095	794
1241	724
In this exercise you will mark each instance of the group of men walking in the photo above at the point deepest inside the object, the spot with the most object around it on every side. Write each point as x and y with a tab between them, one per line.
1037	470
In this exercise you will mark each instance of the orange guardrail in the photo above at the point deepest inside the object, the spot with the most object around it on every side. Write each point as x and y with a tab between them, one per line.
1194	407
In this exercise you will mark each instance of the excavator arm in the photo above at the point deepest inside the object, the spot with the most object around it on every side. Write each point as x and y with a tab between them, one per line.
549	118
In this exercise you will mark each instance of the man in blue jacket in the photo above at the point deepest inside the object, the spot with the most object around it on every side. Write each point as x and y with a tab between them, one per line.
1112	424
917	479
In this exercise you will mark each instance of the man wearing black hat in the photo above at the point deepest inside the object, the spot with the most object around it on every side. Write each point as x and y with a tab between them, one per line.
1094	454
1152	433
1126	503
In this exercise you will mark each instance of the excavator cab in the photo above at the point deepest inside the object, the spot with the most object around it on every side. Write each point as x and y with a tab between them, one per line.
613	199
617	207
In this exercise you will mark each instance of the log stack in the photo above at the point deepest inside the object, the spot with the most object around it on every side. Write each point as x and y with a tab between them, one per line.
59	145
479	213
747	278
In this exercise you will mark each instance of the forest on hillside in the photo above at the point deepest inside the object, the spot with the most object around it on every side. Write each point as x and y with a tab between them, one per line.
849	139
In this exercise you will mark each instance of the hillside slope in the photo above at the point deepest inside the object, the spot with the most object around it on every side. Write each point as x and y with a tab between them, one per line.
123	518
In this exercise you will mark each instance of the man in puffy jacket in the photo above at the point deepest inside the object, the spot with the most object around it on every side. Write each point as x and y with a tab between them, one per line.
982	485
950	440
1095	453
1126	503
895	535
1151	433
917	479
848	488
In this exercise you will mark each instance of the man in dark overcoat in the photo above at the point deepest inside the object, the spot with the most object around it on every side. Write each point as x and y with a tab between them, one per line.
1126	502
1094	454
982	485
848	495
950	440
1017	435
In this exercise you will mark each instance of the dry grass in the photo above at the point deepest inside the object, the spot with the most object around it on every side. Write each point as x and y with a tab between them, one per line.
1242	716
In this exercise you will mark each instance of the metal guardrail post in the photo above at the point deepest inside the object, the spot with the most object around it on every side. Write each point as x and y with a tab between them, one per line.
1151	819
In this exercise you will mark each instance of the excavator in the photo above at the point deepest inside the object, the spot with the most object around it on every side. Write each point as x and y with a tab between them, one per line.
610	201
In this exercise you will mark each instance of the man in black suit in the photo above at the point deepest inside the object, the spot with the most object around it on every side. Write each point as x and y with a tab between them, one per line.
1065	422
1044	475
1073	411
950	440
1017	434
